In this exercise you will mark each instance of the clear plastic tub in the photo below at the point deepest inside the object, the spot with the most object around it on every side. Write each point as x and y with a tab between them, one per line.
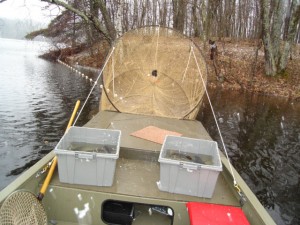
189	166
88	156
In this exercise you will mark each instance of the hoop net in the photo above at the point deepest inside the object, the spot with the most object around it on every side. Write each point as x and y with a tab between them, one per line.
152	72
22	208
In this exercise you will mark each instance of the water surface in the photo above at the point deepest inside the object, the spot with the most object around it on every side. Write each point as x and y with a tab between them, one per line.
262	137
37	98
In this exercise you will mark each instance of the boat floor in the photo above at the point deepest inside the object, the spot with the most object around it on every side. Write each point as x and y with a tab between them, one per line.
137	169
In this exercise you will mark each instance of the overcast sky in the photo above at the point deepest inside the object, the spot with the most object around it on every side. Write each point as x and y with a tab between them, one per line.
30	9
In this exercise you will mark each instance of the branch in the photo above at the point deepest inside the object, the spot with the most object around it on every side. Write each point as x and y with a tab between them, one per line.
88	17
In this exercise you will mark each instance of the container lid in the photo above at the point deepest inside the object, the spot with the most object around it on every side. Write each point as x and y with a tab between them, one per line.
213	214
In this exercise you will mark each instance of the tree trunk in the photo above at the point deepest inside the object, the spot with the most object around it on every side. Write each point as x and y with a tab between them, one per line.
205	21
270	66
257	24
135	14
298	36
107	19
154	16
179	13
272	19
163	13
291	34
118	22
142	14
276	29
175	13
287	20
195	19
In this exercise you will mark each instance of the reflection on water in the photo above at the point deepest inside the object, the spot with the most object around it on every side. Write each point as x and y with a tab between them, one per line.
36	100
262	135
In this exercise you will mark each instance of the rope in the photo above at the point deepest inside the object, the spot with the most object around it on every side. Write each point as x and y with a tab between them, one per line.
113	73
155	60
94	86
187	64
215	118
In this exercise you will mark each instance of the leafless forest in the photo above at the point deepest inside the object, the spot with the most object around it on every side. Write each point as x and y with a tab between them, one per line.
275	22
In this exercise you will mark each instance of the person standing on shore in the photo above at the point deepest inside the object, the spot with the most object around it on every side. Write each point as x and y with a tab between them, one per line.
213	49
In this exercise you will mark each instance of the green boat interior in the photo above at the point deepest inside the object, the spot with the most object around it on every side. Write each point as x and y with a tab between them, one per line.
135	181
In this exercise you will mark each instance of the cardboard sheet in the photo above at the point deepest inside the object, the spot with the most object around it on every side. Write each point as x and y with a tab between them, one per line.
154	134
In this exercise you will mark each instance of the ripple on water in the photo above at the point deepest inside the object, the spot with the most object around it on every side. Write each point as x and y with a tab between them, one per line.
36	100
263	143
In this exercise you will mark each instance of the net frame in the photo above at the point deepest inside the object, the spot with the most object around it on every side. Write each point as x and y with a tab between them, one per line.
134	75
22	208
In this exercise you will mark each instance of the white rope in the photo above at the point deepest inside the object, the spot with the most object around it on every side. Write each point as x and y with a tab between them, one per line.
187	64
94	86
113	73
155	60
215	118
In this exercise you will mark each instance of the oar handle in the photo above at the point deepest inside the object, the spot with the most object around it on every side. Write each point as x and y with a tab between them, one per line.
45	185
73	115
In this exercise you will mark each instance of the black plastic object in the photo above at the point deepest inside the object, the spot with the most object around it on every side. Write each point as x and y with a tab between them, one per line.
117	212
154	73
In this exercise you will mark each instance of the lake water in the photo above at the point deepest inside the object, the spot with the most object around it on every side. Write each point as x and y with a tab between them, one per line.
37	97
262	137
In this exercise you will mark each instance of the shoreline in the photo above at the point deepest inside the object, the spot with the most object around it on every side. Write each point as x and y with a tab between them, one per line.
238	66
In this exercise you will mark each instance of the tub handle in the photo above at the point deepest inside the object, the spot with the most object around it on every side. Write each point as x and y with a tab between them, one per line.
84	156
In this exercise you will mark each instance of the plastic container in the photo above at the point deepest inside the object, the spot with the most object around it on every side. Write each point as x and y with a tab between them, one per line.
189	166
88	156
213	214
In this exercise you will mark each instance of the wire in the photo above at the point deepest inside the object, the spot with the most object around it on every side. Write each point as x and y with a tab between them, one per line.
94	85
215	118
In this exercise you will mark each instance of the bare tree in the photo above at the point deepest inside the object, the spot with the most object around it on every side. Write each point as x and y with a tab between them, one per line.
118	22
108	31
163	13
293	19
179	13
272	21
276	22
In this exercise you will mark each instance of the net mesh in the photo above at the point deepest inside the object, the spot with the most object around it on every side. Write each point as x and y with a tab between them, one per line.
22	208
152	71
